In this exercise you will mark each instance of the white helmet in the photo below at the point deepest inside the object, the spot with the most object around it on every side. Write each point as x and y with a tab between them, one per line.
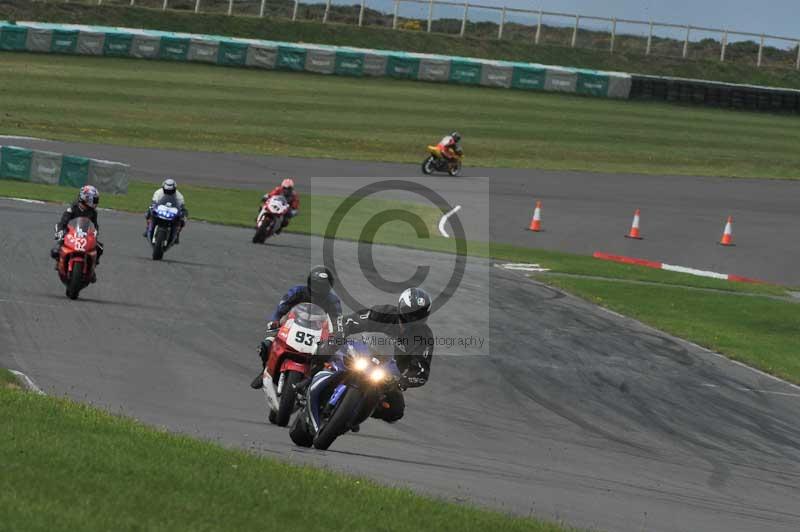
169	186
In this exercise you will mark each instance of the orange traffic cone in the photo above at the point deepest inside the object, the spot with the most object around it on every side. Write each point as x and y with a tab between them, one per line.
634	232
727	234
536	221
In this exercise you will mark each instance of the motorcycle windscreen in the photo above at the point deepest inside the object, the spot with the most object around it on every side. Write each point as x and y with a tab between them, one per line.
166	208
82	226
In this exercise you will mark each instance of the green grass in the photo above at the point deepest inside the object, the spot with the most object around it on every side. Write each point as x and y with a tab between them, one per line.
71	467
199	107
519	49
7	380
758	331
238	207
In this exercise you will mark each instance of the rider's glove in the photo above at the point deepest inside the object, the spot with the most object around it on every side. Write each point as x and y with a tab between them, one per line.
58	234
402	383
273	325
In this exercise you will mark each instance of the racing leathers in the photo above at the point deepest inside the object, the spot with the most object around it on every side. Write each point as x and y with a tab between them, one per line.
294	205
413	351
449	147
76	210
158	195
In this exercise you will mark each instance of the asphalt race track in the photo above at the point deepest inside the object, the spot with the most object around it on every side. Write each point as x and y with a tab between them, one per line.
567	412
682	217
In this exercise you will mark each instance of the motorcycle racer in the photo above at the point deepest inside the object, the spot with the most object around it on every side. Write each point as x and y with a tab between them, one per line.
449	146
168	188
414	341
318	290
285	189
84	206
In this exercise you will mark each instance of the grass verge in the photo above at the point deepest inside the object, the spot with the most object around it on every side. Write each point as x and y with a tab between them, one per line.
109	473
759	331
519	49
8	380
238	207
200	107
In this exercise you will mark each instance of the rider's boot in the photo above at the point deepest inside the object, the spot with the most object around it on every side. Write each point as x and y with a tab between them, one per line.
263	354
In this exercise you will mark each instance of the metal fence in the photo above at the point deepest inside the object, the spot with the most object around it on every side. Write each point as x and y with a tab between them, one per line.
481	21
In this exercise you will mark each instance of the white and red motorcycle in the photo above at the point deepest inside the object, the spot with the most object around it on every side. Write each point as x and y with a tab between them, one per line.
289	362
270	218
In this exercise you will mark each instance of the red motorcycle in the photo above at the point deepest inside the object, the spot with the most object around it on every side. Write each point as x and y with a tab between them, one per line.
270	218
78	256
302	329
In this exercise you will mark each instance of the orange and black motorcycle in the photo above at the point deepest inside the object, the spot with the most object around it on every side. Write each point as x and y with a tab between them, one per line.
437	162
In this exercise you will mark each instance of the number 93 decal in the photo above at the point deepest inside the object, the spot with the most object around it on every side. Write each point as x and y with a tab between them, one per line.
304	338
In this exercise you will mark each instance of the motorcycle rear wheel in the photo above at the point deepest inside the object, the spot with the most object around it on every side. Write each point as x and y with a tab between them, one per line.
427	165
288	396
337	424
75	281
158	246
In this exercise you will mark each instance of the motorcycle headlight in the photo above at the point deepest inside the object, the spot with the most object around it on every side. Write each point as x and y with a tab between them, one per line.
360	364
377	375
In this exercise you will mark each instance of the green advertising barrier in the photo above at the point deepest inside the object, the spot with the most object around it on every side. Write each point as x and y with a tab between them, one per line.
64	41
118	44
15	163
232	53
465	72
402	66
349	64
530	78
74	171
174	48
291	58
592	83
13	38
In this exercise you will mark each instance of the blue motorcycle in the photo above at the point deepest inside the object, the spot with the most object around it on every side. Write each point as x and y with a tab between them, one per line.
343	395
163	229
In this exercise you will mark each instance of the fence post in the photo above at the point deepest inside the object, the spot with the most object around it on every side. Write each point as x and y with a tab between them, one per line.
430	15
327	10
649	39
230	7
760	50
361	13
394	18
164	7
724	46
294	11
686	42
132	1
797	65
196	6
99	2
613	33
538	28
263	5
502	23
575	30
464	19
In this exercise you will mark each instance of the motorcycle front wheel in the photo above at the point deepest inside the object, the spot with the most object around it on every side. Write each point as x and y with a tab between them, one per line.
75	281
288	396
337	424
299	433
454	169
158	246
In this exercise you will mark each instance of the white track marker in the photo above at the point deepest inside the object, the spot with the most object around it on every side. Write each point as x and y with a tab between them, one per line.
523	267
693	271
28	382
24	200
753	390
444	220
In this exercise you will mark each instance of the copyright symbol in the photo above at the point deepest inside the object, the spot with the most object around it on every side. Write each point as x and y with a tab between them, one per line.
417	273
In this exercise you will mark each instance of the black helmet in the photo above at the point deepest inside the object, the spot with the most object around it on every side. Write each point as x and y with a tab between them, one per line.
414	305
320	281
456	136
